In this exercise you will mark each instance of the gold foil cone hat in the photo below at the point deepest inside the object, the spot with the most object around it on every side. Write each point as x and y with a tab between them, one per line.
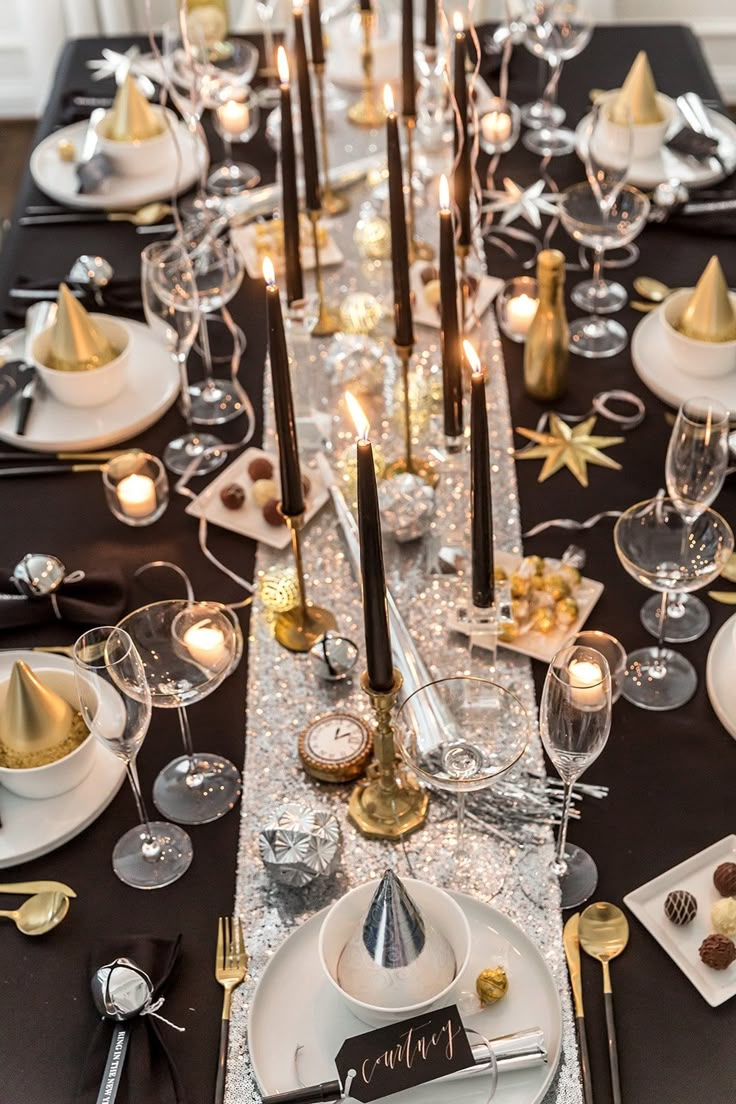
709	314
76	343
33	717
131	118
637	99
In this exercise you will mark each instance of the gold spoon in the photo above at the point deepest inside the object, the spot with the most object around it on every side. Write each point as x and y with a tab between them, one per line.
604	933
39	914
652	289
144	216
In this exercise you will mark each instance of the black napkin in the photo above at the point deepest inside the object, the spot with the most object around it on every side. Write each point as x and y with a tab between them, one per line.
149	1072
123	298
692	143
96	599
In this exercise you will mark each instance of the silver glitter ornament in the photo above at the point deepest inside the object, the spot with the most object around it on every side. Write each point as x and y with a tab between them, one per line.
121	990
333	657
39	575
407	506
302	842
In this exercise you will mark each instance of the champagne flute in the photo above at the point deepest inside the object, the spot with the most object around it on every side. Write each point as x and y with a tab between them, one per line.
269	94
115	701
556	32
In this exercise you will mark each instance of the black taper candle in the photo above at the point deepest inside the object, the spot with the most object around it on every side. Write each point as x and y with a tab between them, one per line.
461	180
452	353
430	24
366	5
403	326
309	139
316	40
292	492
481	507
378	657
408	80
289	197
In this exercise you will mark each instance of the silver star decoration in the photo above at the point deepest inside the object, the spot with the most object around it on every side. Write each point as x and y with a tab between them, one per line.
117	65
528	203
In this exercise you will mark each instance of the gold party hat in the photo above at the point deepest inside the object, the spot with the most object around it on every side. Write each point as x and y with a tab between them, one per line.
33	718
709	314
131	117
637	99
76	343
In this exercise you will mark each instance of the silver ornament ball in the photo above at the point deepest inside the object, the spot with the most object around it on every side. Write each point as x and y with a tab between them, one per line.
39	575
121	990
302	842
333	657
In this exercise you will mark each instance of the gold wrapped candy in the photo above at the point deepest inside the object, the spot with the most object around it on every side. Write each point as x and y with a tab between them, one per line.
709	314
76	344
637	99
269	238
566	612
556	586
492	985
131	118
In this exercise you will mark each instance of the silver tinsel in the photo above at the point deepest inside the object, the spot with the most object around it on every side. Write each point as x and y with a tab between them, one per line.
300	843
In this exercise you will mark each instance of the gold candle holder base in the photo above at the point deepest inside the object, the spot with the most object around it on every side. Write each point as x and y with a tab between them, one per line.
367	112
332	204
389	803
420	467
328	320
304	625
418	250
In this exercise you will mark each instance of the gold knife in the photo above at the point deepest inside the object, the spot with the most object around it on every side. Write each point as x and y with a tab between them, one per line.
37	887
572	954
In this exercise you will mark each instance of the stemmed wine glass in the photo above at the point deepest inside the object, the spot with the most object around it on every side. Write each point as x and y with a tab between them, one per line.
269	94
184	63
171	307
556	32
695	468
668	552
116	705
236	119
575	721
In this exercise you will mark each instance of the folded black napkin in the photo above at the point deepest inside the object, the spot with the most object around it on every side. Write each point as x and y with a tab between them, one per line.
149	1072
97	599
123	298
692	143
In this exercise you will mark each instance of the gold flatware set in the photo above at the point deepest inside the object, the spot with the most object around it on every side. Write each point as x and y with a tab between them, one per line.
231	964
42	911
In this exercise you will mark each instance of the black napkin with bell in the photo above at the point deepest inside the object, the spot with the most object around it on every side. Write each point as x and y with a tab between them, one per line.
96	599
149	1073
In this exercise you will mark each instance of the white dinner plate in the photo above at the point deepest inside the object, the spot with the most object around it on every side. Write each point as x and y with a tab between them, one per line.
681	944
58	179
153	384
33	828
667	165
652	361
719	679
282	1013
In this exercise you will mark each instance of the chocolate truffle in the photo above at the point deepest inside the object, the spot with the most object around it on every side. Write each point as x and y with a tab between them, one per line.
717	951
306	485
271	513
260	468
263	490
724	879
680	907
232	496
429	274
723	916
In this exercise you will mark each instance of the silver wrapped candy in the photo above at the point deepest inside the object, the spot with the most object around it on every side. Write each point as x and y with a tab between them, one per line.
302	842
333	657
121	990
407	505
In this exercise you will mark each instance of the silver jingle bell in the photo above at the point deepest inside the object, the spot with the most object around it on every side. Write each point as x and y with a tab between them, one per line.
333	657
121	990
407	506
38	574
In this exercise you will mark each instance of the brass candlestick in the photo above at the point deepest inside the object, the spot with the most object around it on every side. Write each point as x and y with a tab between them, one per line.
304	625
418	250
332	203
328	322
389	803
409	463
367	112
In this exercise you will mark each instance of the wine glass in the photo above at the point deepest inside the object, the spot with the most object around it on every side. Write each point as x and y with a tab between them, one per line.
188	649
236	120
171	307
184	61
269	94
574	722
115	702
668	552
556	32
218	273
586	223
695	468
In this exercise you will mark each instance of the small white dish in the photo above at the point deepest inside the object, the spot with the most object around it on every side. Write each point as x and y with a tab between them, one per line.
245	239
719	680
144	156
427	314
701	359
248	519
681	944
646	138
652	360
93	387
338	926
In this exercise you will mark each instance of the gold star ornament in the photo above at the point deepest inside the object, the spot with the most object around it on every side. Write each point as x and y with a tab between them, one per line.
565	446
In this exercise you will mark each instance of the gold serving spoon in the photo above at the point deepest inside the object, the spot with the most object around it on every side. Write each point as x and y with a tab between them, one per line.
144	216
604	933
39	914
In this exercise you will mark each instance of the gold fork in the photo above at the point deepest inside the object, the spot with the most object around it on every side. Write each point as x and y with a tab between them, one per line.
231	963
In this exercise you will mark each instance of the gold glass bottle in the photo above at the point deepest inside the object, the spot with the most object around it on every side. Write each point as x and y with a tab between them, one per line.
546	352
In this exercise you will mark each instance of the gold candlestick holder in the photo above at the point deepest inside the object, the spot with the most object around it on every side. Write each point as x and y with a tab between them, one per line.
328	322
409	462
304	625
332	203
418	250
389	803
367	112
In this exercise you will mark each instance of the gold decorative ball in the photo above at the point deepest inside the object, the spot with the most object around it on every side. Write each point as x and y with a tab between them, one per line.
492	985
360	312
278	589
372	238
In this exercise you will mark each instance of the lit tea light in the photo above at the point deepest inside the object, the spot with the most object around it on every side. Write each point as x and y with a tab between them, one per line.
496	127
520	312
234	118
205	643
137	495
586	682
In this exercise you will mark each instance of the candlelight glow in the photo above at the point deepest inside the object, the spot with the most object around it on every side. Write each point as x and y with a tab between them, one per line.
472	358
297	7
269	274
444	193
457	22
388	99
282	65
359	418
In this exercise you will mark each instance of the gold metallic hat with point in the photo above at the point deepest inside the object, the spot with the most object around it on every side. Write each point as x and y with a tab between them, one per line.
637	98
709	314
131	118
76	343
33	717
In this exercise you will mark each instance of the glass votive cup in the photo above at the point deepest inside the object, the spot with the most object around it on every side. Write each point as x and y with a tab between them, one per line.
516	307
612	651
136	488
498	126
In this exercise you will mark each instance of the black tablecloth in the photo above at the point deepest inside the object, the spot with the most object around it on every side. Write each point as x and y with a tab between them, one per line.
671	775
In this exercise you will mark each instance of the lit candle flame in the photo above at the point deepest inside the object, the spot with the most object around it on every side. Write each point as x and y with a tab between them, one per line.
297	7
359	418
269	274
444	193
457	22
388	99
282	64
472	358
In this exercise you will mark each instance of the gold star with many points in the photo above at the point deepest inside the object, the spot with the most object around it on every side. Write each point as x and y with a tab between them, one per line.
565	446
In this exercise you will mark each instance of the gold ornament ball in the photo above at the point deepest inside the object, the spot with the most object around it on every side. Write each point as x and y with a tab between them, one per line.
492	985
372	238
278	589
360	312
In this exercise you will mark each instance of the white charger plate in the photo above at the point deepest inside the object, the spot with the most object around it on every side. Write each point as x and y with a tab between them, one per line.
33	828
719	679
426	314
652	362
282	1013
681	944
58	179
153	384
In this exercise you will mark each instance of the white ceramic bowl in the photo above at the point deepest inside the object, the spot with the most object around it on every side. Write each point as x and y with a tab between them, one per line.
53	778
702	359
647	138
144	156
339	924
96	386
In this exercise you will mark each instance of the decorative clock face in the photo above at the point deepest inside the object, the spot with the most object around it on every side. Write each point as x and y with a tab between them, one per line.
336	747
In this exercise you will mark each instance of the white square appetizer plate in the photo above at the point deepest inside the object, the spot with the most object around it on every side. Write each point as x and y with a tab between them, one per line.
681	944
